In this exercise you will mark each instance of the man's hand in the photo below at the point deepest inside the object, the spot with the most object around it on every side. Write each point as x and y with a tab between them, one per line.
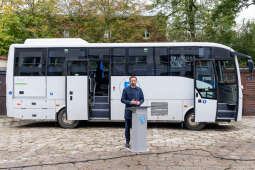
133	102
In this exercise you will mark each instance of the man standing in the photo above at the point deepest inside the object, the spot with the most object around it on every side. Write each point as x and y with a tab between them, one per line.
132	96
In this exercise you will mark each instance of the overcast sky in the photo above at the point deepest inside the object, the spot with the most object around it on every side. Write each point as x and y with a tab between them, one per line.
246	14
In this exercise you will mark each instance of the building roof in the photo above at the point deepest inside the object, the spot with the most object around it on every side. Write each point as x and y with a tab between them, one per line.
3	57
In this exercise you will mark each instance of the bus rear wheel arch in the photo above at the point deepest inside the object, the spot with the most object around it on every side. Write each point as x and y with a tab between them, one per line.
190	123
63	122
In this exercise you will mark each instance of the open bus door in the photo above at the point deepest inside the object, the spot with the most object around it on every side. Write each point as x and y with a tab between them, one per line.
205	91
77	90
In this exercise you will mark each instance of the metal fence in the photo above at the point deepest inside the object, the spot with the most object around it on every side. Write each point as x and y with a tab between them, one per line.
248	82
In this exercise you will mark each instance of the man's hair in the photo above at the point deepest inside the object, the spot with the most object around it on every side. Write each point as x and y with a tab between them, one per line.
132	77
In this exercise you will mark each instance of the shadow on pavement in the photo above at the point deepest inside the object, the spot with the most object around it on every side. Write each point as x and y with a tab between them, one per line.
216	127
165	125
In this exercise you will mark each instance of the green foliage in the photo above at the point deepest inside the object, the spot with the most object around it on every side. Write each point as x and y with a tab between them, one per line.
124	21
244	42
26	19
87	19
208	20
10	31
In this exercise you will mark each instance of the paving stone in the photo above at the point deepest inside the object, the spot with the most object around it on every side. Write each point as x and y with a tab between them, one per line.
49	167
43	142
33	168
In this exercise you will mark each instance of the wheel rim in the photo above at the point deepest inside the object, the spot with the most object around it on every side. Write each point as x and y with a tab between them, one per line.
65	121
191	120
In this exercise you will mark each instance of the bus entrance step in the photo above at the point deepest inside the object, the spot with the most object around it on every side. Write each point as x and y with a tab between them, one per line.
104	113
100	106
226	106
101	99
226	114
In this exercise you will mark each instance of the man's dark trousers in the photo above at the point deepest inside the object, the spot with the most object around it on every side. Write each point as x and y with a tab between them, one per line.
128	125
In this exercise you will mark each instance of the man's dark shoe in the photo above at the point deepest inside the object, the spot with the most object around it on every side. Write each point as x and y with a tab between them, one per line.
127	145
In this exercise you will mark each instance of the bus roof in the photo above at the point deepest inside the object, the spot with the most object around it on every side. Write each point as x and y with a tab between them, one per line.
77	42
55	41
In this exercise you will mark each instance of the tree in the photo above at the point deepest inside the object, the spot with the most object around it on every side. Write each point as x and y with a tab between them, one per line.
193	20
103	20
22	19
10	25
119	19
182	16
244	41
122	20
39	18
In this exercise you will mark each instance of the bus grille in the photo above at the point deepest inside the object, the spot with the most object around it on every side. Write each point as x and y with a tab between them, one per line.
159	108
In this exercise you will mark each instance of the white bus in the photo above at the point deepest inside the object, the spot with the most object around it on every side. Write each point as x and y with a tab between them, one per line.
69	80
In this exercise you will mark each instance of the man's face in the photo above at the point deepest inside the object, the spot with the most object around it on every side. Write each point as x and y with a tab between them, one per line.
133	81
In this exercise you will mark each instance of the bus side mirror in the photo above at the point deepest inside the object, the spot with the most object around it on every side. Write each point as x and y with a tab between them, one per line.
250	65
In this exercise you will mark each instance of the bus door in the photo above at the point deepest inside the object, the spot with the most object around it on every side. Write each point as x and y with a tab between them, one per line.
205	91
77	90
99	79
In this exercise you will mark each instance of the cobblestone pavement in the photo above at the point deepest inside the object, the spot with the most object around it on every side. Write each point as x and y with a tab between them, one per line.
46	146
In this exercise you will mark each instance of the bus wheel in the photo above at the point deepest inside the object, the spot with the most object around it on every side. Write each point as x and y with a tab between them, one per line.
64	123
190	122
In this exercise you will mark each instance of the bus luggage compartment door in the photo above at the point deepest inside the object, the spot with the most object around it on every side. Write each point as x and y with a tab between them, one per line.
76	98
205	91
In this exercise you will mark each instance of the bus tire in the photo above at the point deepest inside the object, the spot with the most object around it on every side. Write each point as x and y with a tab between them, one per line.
190	122
64	123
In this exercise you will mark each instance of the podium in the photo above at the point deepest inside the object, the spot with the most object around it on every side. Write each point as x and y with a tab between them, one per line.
139	129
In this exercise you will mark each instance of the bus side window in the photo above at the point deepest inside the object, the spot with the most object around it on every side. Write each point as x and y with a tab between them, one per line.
77	64
98	53
56	61
204	52
140	61
119	62
220	53
161	59
30	62
77	54
181	59
77	68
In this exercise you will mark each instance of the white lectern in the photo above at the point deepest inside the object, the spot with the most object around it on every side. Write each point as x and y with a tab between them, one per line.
139	128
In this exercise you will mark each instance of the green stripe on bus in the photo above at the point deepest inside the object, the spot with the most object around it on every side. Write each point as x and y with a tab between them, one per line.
21	83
